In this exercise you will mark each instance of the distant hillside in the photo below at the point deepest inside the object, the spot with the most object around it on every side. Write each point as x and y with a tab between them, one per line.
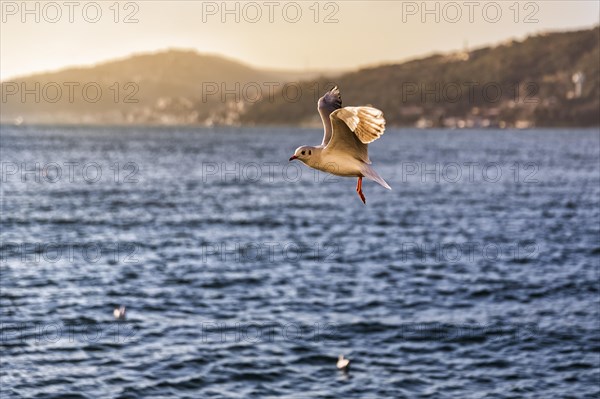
551	79
162	88
527	83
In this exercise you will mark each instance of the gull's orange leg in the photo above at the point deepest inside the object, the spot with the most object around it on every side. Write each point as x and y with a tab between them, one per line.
359	190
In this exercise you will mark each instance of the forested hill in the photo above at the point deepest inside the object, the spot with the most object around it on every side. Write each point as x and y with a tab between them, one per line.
545	80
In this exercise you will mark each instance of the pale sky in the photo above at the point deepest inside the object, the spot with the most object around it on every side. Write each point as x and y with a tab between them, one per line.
359	32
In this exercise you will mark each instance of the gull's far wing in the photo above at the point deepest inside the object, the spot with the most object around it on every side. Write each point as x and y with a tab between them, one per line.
354	128
330	101
367	123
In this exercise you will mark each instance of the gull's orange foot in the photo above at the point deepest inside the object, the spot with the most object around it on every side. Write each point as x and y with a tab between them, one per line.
359	191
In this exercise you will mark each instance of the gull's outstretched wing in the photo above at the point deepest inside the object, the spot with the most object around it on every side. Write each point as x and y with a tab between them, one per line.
326	105
354	128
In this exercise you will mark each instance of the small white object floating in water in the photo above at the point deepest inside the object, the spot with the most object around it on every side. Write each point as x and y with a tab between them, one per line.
342	363
119	313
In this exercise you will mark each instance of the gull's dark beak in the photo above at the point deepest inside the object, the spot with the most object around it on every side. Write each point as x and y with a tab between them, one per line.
293	157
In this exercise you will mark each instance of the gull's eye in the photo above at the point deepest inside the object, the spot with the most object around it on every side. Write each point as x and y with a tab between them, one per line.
303	152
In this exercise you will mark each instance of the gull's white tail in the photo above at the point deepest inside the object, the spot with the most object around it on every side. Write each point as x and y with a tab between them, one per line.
371	174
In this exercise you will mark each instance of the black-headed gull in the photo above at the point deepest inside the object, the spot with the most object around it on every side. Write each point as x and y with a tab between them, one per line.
348	131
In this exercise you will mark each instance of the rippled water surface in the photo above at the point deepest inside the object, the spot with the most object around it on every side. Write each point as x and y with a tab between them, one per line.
245	276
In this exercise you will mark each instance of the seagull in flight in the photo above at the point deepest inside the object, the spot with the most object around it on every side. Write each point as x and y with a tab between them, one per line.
347	132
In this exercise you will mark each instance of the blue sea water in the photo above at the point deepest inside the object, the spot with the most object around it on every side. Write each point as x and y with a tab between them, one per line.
246	276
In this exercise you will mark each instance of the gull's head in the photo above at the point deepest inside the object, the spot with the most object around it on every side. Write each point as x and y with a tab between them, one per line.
303	153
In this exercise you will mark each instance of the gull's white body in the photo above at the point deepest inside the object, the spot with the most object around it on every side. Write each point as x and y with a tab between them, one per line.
347	132
340	164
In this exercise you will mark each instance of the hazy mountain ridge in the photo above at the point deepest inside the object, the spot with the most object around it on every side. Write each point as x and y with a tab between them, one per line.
518	83
153	88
